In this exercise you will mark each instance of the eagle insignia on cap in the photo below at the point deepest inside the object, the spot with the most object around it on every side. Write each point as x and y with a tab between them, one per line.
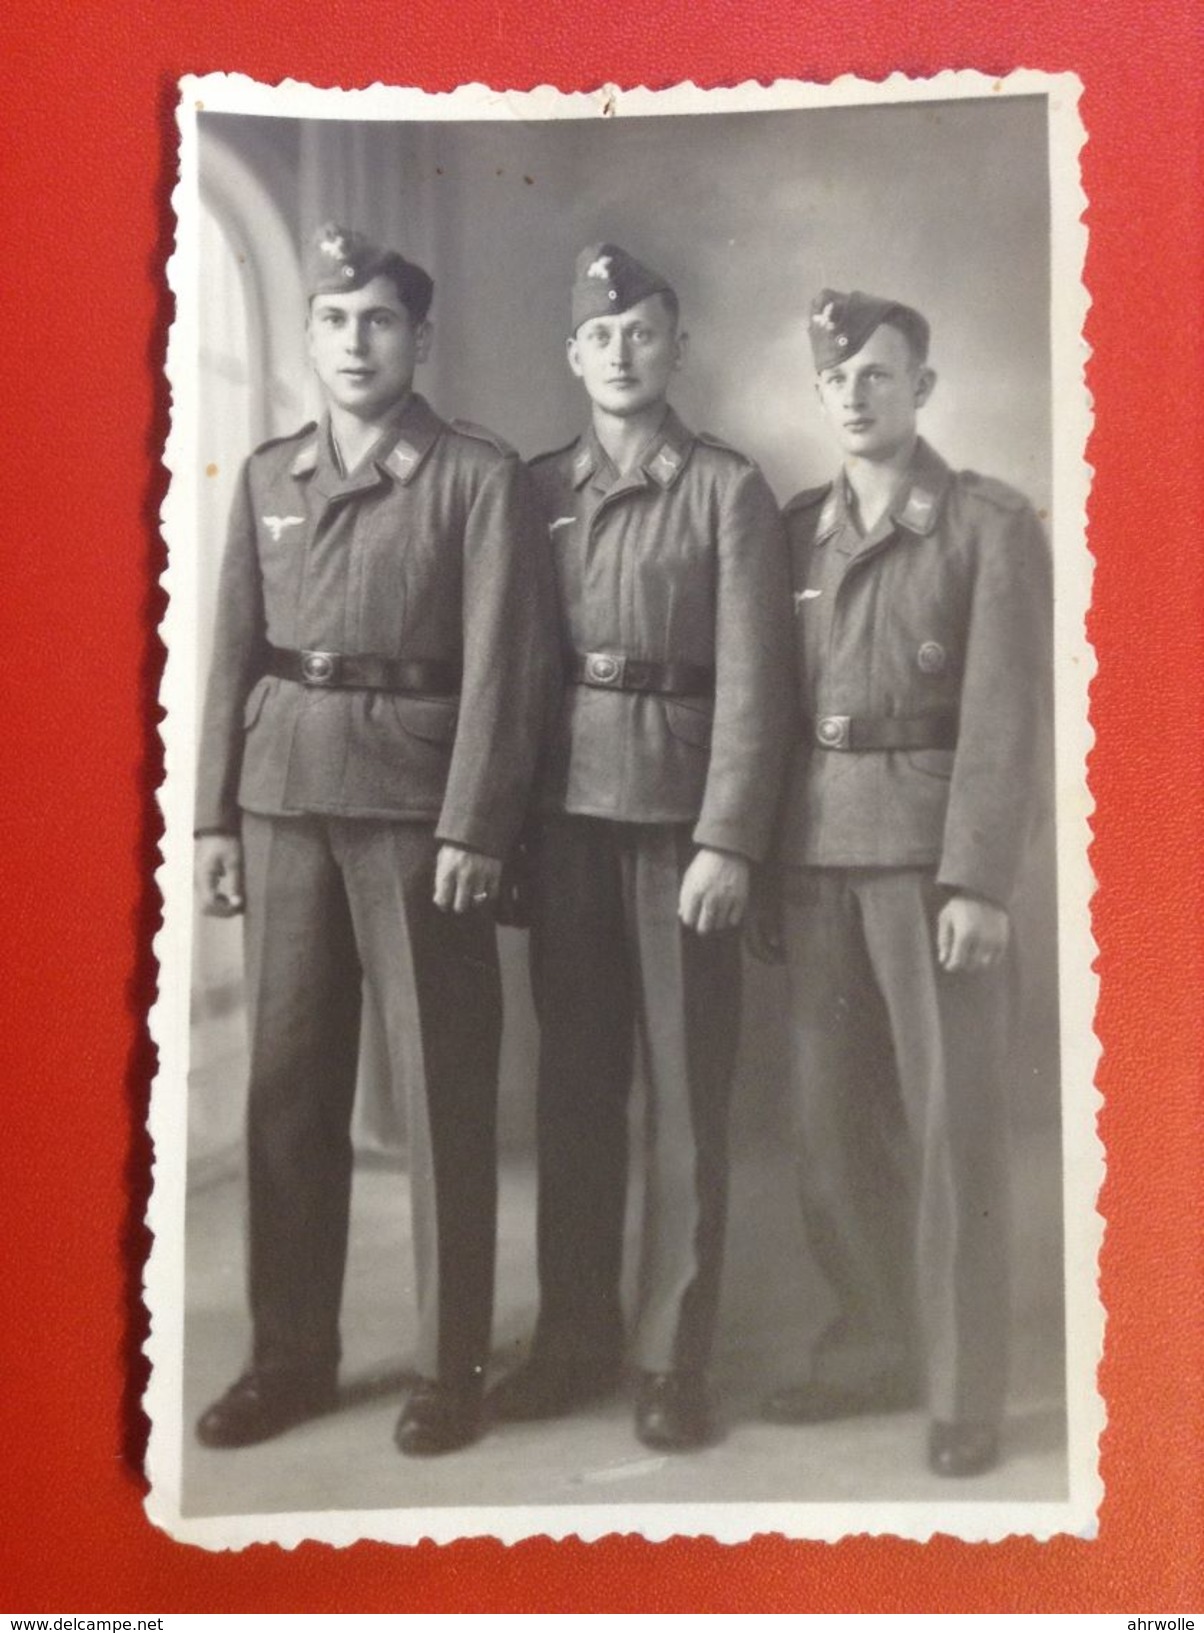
607	280
334	245
841	324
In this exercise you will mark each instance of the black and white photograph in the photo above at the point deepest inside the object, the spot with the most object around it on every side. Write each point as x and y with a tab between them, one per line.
625	1013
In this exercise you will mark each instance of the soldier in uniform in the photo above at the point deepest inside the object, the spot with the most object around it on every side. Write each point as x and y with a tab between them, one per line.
380	669
657	798
923	606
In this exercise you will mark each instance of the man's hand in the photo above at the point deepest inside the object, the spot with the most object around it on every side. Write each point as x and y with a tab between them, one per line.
971	935
218	875
465	879
714	892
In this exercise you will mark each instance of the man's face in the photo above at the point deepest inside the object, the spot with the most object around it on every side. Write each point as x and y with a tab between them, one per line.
626	361
872	400
364	347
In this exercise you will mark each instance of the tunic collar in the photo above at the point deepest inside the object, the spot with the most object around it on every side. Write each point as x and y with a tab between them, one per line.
418	429
402	446
662	461
916	504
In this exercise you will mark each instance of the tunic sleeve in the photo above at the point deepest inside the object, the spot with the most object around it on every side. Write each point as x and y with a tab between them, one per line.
752	672
509	663
1005	706
238	656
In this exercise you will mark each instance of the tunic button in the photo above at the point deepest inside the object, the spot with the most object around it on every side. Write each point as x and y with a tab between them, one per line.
932	658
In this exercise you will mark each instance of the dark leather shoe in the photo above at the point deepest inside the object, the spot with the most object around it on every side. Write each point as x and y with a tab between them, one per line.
550	1387
959	1449
260	1405
826	1403
673	1411
439	1418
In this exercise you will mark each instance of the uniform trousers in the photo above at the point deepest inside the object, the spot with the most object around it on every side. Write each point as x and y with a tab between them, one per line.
331	900
611	961
901	1138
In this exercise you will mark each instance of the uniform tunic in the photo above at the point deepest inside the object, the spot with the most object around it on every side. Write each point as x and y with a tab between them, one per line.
428	552
681	561
899	1085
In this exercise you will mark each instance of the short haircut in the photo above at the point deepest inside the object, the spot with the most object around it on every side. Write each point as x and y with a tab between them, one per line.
672	304
914	330
414	286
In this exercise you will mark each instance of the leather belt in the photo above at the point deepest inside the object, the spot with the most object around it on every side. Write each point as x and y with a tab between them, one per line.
614	671
363	672
857	734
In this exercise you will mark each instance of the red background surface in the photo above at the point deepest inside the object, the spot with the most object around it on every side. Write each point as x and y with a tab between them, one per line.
88	98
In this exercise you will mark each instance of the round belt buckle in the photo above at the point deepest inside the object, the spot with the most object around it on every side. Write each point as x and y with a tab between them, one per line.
318	667
602	668
832	731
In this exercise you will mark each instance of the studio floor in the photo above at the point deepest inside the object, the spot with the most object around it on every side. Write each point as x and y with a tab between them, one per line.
773	1300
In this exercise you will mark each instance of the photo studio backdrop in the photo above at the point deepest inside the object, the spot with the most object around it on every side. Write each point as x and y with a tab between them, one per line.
942	205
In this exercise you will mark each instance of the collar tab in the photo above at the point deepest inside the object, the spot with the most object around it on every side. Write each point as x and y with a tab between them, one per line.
305	461
403	461
832	515
666	463
418	429
917	512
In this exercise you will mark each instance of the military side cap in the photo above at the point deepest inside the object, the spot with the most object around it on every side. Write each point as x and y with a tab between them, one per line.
841	324
341	260
608	280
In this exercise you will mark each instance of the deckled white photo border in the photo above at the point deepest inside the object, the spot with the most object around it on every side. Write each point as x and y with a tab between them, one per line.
1074	668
